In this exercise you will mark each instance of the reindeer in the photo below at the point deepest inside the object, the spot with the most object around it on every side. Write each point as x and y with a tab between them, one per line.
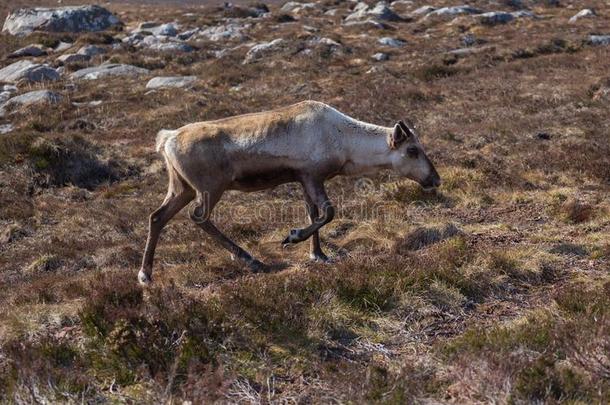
308	142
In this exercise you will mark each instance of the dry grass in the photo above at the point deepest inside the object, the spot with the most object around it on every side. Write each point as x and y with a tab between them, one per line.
495	289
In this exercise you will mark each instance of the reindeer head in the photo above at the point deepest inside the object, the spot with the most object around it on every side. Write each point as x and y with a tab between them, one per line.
409	158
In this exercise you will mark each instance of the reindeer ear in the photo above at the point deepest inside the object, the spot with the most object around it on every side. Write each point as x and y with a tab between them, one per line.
406	128
399	135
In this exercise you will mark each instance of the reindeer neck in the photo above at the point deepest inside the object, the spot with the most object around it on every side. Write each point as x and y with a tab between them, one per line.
367	148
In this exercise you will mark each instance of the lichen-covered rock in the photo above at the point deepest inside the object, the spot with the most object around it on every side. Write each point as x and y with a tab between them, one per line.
27	71
108	70
30	50
231	31
393	42
381	11
453	11
585	13
30	98
73	58
171	82
264	49
599	39
62	19
91	50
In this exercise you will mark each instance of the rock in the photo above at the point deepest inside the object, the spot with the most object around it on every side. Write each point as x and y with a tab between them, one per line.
234	11
27	71
91	50
393	42
585	13
4	96
495	17
224	32
423	10
295	7
599	39
6	128
163	44
73	58
264	49
171	82
367	24
168	30
62	19
187	34
380	56
543	136
30	50
469	40
108	70
381	11
63	46
9	88
33	98
453	11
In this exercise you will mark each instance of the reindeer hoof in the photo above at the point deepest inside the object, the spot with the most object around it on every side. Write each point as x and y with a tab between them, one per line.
144	279
319	258
256	266
293	237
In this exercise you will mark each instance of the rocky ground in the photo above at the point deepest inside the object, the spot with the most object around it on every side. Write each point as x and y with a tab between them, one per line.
495	289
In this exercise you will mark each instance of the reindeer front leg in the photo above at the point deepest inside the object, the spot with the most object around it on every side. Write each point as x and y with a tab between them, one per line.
315	192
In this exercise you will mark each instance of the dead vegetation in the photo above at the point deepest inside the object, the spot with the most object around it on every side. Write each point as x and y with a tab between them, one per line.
494	289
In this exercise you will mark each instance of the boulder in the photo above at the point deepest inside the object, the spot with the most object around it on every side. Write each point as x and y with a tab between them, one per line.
380	56
73	58
264	49
453	11
224	32
585	13
108	70
62	19
6	128
171	82
381	11
26	71
423	10
164	44
599	39
295	7
393	42
495	18
167	30
31	98
91	50
30	50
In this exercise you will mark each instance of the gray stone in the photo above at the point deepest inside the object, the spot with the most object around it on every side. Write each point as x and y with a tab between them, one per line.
25	70
295	7
6	128
423	10
91	50
62	19
187	34
164	44
495	17
4	96
63	46
453	11
585	13
171	82
167	30
380	56
393	42
368	24
264	49
599	39
73	58
108	70
30	50
34	97
231	31
9	88
381	11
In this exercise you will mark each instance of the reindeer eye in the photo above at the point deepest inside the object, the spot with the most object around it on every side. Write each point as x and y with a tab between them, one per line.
412	152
